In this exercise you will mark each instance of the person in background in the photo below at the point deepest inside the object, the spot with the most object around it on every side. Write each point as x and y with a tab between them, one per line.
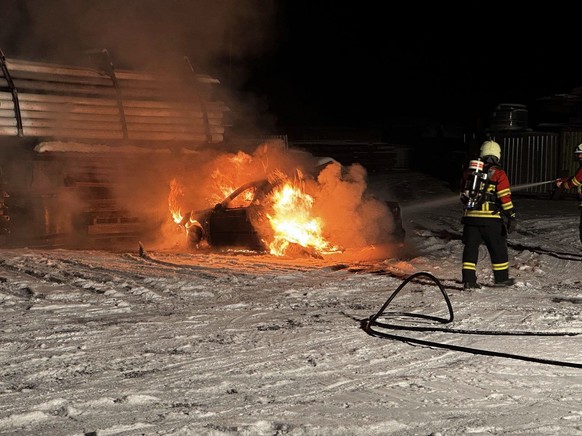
574	181
488	216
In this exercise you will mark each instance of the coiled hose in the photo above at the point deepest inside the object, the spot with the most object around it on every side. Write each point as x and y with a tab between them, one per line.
368	325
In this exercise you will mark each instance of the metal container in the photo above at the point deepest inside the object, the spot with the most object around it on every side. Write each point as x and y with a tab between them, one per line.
509	117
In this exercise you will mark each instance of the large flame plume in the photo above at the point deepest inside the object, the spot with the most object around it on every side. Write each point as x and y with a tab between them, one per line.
322	211
293	223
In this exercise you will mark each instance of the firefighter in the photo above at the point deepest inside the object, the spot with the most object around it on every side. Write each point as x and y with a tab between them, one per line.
575	181
488	216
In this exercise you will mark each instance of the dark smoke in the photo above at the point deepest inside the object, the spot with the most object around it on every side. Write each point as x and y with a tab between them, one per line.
218	37
137	32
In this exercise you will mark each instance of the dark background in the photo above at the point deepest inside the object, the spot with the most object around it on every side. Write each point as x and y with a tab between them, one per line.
367	68
372	65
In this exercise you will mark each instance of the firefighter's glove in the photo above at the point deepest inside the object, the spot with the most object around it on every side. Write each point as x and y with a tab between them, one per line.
511	225
560	182
510	220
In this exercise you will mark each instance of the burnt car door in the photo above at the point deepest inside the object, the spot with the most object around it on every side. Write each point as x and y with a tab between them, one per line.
230	224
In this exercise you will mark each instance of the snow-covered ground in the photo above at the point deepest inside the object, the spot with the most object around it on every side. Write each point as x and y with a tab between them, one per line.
223	343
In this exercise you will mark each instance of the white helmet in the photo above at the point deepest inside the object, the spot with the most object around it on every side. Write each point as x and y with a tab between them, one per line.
578	149
490	148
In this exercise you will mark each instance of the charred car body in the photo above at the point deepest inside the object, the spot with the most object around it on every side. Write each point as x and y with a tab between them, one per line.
234	222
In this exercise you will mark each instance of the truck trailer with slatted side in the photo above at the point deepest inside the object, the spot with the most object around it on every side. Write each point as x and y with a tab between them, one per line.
81	147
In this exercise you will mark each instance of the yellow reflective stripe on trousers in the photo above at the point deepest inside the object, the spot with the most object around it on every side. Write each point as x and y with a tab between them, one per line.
500	266
469	265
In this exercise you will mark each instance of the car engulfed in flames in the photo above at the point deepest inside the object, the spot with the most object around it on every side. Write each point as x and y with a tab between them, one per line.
273	215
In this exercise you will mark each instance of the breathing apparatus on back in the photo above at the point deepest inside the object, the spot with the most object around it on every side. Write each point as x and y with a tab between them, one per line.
476	189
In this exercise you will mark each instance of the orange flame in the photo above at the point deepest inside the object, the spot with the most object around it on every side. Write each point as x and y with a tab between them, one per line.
224	184
175	193
173	199
290	214
292	222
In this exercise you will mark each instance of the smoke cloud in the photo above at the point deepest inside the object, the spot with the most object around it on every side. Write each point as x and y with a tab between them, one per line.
137	32
220	38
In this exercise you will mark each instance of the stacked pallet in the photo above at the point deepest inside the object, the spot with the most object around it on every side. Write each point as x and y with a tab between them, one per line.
60	102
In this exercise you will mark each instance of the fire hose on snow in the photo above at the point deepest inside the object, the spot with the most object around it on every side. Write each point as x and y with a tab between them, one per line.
370	325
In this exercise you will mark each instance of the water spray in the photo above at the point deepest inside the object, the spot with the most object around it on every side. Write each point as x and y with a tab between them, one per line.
454	198
531	185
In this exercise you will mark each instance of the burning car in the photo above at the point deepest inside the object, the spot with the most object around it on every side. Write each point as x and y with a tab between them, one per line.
269	215
234	222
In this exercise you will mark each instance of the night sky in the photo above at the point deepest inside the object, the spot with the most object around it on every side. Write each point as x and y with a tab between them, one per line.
367	64
302	65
